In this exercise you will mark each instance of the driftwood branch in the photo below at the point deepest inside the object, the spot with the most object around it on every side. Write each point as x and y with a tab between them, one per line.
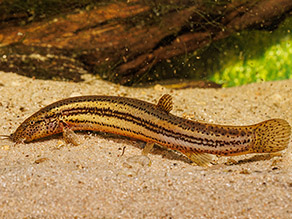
122	41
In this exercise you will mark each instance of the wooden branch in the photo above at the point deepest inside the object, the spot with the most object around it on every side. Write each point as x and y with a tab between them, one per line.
125	40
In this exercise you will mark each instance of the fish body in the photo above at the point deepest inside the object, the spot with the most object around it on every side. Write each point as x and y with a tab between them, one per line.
153	123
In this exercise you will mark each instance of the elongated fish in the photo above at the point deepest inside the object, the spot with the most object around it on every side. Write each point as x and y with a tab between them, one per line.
153	124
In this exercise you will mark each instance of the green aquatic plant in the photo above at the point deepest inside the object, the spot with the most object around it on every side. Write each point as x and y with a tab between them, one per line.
275	64
255	56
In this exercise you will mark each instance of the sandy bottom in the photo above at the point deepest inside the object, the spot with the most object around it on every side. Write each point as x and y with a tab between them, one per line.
51	179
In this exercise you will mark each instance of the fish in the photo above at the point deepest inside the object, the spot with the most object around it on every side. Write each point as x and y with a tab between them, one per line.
153	124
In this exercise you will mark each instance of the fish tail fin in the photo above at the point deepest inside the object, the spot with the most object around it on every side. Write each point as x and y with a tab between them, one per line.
271	136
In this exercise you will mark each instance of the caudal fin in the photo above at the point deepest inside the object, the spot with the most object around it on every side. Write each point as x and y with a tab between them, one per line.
271	136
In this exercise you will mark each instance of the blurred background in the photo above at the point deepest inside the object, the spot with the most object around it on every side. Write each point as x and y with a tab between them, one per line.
180	43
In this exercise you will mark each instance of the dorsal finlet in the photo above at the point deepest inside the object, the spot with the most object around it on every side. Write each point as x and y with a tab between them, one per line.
165	103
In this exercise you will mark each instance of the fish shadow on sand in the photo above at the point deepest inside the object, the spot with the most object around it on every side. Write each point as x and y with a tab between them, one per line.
254	158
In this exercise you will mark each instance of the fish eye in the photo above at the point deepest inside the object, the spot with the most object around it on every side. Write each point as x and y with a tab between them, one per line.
32	122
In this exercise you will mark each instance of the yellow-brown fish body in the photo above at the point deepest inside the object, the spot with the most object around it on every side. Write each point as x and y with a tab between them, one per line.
154	124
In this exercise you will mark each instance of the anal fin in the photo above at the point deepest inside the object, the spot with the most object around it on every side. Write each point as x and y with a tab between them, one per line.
201	159
148	147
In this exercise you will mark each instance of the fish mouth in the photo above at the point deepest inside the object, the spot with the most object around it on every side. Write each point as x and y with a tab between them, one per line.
15	138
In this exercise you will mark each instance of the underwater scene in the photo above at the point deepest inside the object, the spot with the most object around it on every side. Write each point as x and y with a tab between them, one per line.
145	109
